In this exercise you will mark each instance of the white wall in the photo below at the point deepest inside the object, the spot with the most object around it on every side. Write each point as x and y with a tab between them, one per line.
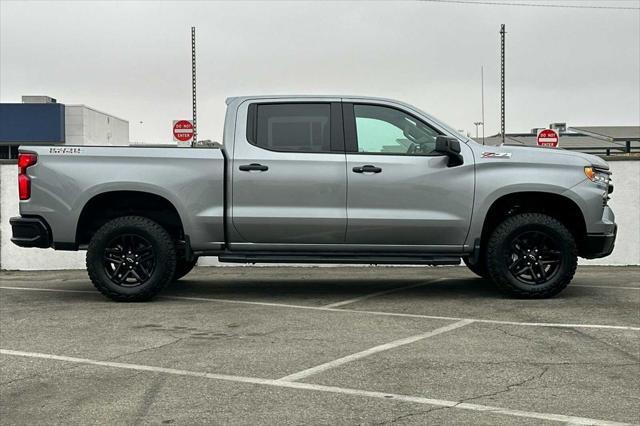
14	257
625	203
87	126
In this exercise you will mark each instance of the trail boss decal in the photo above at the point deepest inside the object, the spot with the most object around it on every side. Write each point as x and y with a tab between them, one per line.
65	150
496	155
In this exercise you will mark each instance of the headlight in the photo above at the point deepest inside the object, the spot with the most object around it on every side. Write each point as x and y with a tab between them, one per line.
596	175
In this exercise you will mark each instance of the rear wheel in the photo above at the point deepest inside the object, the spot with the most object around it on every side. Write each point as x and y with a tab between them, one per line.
131	259
531	255
183	267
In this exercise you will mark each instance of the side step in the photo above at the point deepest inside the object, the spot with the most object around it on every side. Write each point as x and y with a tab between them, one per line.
355	259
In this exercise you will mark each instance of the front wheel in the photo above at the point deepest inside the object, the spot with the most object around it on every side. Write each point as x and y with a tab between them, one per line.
531	255
131	259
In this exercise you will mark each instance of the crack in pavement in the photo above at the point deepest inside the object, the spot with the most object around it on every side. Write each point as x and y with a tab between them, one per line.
603	342
465	400
508	388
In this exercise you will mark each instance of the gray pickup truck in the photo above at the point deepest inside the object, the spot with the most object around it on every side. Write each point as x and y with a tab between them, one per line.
313	179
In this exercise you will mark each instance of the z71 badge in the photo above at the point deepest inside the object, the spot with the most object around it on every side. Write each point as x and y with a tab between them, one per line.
496	155
64	150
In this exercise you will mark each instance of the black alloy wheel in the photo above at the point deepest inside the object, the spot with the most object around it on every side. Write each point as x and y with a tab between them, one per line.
129	260
534	257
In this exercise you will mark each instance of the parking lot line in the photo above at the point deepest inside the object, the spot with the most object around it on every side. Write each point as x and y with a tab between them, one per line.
380	348
458	405
380	293
354	311
60	290
605	286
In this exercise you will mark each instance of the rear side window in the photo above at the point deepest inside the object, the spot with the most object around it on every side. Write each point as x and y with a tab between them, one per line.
301	127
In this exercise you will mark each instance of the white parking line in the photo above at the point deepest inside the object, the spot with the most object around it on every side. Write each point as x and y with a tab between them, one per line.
321	388
379	293
604	286
59	290
380	348
353	311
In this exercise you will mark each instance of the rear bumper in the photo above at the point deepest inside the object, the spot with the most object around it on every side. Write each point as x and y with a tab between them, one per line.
30	232
596	246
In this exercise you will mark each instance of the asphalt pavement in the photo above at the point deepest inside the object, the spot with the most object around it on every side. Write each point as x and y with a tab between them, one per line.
320	345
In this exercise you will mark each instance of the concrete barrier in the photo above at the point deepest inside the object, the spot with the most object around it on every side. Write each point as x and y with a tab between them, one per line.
625	203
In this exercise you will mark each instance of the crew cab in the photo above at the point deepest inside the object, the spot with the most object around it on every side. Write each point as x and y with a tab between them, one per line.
313	179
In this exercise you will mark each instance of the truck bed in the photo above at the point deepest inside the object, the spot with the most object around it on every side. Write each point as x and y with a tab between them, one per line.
66	178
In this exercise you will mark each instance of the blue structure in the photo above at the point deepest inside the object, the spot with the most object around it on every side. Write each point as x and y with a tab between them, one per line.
31	123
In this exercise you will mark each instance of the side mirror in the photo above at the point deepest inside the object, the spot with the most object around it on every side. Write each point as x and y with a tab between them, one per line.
451	148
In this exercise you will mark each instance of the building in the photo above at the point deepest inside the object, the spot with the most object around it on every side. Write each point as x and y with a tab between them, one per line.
42	120
602	140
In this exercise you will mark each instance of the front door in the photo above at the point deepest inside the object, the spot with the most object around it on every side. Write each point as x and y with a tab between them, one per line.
288	177
400	192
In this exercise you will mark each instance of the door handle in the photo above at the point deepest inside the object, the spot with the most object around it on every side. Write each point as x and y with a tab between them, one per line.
367	169
253	166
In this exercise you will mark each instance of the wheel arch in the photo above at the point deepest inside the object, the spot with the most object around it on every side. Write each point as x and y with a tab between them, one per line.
104	206
555	205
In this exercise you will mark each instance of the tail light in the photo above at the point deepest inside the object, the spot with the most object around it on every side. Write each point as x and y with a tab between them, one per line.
25	160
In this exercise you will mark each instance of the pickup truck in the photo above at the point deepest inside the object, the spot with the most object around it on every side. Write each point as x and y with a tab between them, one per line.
313	179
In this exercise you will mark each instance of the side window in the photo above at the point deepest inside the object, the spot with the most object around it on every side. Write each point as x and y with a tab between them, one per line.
384	130
301	127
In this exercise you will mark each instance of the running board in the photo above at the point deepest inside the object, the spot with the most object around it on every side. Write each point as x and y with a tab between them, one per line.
355	259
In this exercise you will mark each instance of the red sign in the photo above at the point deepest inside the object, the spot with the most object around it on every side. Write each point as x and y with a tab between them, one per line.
182	130
548	138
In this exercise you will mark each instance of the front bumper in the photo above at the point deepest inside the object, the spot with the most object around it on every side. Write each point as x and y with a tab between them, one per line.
30	232
595	246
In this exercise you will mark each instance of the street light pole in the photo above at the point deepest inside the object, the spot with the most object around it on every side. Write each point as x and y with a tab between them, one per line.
502	78
193	85
482	95
479	123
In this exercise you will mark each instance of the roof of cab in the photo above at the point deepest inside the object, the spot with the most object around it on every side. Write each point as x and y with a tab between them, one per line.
241	99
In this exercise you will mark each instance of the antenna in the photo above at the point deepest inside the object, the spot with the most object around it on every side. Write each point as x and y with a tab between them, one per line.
193	84
502	36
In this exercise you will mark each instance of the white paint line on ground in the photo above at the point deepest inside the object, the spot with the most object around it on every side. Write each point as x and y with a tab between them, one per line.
59	290
353	311
604	286
321	388
380	348
380	293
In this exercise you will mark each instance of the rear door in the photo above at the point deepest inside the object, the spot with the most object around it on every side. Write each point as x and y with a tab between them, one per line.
288	177
400	192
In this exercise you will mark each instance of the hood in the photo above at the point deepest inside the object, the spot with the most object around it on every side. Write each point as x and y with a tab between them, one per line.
545	155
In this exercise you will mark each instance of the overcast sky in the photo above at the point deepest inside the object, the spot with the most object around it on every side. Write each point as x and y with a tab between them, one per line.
133	59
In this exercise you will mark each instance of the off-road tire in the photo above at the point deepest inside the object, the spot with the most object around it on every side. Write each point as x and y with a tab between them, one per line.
499	246
183	267
480	268
164	255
